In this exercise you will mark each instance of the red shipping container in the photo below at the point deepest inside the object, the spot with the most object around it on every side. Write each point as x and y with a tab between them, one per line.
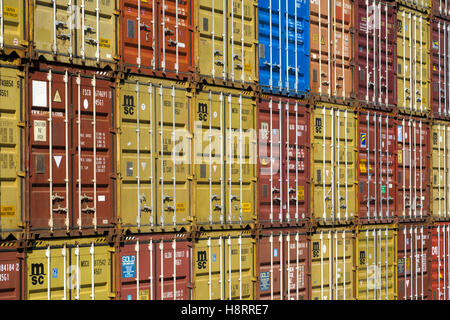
283	264
12	273
440	8
413	176
157	37
147	270
376	177
376	53
440	261
283	149
412	260
71	151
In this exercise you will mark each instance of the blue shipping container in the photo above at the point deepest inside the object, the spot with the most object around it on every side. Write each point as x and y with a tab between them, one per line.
284	60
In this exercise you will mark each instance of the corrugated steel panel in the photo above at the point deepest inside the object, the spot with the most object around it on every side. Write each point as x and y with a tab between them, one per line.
224	266
439	264
283	35
153	267
376	167
331	70
12	158
376	252
333	160
419	5
283	265
12	271
413	59
154	172
332	264
375	53
72	269
13	26
440	8
440	174
283	166
224	158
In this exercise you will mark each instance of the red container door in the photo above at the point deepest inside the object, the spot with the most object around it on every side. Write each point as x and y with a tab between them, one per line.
270	266
440	262
376	169
11	273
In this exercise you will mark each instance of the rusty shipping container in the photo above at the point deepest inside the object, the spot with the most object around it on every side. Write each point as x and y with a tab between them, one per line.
413	59
375	53
77	32
283	264
332	264
283	165
70	269
376	251
156	37
12	151
333	161
413	256
224	265
331	48
154	171
153	267
14	27
440	68
439	264
376	167
224	158
71	151
413	176
12	271
225	42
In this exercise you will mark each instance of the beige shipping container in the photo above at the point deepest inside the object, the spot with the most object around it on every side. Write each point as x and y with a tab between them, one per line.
154	170
224	158
440	171
224	266
332	264
413	59
376	262
333	161
225	41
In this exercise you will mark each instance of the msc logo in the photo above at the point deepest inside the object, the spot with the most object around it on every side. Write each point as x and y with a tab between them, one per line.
316	248
201	259
362	257
37	273
318	125
128	105
202	112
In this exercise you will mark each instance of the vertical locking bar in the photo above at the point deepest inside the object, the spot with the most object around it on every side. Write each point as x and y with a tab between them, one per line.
174	178
280	242
77	254
280	152
136	248
83	30
161	276
240	158
79	149
345	159
229	268
240	267
213	37
230	158
368	166
47	255
94	129
174	248
209	268
323	163
288	217
138	59
163	24
222	169
176	37
91	251
55	47
210	161
66	128
161	134
97	15
150	249
152	147
64	254
50	146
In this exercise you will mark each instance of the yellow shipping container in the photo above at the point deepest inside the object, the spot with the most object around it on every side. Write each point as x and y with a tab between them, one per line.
224	266
154	160
413	59
420	5
72	269
332	264
224	158
226	40
333	142
376	262
440	174
13	31
11	151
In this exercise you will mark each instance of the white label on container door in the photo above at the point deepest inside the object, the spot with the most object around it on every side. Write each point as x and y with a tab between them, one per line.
40	130
275	252
143	106
39	93
101	198
85	103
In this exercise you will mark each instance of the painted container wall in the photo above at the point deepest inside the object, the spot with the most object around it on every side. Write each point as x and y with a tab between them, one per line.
439	265
12	271
440	8
419	5
440	175
283	37
14	30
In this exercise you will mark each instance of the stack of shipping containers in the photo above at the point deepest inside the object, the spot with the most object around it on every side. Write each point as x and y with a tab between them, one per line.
225	149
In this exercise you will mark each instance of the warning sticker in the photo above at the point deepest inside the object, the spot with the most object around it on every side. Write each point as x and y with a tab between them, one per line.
144	295
400	157
264	282
40	130
11	12
300	193
57	97
105	43
128	267
247	67
180	207
362	166
246	207
7	210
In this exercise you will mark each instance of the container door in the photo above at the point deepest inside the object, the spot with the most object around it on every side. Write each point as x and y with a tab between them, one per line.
296	268
271	269
12	30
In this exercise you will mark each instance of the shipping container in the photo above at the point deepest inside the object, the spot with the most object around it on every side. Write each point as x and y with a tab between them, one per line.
156	38
439	264
283	264
283	162
333	161
225	42
375	53
224	265
80	32
376	167
440	8
153	121
153	267
12	271
70	269
12	151
413	59
71	151
283	37
413	254
14	27
440	175
413	176
440	68
331	70
376	250
224	158
332	264
419	5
